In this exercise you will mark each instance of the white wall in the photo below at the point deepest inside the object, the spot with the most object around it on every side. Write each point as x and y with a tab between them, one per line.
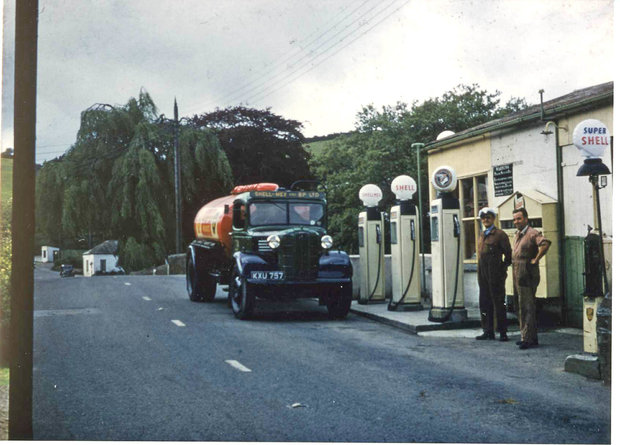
578	202
92	263
47	254
533	156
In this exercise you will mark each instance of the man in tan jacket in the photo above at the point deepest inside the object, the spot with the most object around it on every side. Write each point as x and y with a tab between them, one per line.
530	246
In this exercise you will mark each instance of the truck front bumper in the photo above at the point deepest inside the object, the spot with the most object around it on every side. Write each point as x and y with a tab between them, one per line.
290	290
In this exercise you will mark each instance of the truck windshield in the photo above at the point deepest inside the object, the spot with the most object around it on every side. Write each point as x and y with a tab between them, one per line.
282	213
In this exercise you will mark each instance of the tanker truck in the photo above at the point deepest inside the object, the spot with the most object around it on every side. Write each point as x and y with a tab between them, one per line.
267	243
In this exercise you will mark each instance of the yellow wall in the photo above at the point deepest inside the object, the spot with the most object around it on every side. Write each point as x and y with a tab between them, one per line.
467	158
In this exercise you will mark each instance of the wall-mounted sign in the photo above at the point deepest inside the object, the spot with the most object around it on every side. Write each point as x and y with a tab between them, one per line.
502	180
519	201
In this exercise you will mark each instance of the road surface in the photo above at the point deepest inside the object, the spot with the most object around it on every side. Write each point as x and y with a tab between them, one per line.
131	358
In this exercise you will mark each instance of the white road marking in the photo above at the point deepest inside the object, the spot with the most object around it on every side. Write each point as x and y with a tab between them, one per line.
235	364
179	323
127	284
146	298
53	312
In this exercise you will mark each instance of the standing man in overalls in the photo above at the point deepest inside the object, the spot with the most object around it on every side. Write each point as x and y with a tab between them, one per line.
494	258
530	247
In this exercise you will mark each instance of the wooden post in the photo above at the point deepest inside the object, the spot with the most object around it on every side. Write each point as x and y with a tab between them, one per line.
22	274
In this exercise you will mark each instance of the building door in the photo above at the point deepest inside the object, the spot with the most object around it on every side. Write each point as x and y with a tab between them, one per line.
574	284
102	265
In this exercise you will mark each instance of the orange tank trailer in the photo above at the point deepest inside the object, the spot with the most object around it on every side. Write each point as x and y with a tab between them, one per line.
211	223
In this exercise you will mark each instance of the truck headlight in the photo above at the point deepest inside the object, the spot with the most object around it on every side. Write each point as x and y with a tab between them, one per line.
273	241
327	242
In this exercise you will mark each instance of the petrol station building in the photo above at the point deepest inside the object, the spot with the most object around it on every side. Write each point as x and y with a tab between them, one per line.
529	157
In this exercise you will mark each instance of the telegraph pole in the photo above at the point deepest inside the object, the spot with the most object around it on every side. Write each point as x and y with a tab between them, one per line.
177	178
22	226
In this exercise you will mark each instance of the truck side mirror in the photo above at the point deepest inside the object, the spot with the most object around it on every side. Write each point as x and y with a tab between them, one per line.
226	209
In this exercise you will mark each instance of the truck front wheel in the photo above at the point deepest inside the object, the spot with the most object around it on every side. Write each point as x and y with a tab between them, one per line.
339	302
240	296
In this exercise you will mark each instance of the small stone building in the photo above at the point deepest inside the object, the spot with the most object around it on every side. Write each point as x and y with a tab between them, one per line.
101	259
49	254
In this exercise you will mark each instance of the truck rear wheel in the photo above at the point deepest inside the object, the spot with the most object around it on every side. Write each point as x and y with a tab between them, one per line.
339	302
240	296
200	285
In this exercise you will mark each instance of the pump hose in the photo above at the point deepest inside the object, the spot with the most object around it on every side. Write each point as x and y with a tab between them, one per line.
392	306
456	285
378	275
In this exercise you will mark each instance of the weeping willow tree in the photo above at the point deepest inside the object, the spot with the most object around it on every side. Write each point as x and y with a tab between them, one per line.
49	201
117	181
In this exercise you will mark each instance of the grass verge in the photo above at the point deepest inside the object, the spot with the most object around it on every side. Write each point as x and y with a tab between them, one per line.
4	376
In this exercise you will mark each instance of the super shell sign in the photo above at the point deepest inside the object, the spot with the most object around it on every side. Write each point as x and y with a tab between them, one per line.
591	137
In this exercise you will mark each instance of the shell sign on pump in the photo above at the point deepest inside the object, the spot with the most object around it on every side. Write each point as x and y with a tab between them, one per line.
404	187
591	137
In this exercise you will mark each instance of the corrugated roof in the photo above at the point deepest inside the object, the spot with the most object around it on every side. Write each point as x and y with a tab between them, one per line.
106	247
572	101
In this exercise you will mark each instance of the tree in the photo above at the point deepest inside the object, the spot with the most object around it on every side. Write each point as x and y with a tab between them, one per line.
8	153
208	177
49	201
380	150
116	181
261	146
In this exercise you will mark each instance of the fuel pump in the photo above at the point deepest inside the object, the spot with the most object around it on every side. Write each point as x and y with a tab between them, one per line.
404	235
447	251
371	246
592	138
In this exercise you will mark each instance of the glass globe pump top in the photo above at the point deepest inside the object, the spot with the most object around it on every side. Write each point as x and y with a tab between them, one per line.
592	138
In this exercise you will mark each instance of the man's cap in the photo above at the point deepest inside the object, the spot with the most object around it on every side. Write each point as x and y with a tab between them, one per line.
487	211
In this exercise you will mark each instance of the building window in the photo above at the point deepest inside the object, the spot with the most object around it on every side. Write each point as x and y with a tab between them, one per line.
472	194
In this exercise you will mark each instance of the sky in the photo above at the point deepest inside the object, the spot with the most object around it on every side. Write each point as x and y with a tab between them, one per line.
315	61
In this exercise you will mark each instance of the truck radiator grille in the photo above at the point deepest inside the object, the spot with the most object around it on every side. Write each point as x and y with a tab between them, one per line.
298	256
262	246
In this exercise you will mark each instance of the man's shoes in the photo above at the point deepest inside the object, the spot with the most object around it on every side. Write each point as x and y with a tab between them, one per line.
526	345
534	343
486	336
503	337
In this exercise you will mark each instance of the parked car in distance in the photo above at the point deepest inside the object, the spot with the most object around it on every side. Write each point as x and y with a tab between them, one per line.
66	270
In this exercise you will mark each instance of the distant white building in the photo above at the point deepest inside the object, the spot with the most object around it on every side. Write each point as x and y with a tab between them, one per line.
101	259
49	254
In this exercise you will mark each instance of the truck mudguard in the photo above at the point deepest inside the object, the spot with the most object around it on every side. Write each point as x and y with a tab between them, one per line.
247	262
335	261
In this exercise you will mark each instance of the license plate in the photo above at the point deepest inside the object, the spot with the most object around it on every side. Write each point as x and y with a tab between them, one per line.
267	275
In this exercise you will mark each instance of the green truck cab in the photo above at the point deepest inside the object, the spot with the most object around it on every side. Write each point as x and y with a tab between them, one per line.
277	249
